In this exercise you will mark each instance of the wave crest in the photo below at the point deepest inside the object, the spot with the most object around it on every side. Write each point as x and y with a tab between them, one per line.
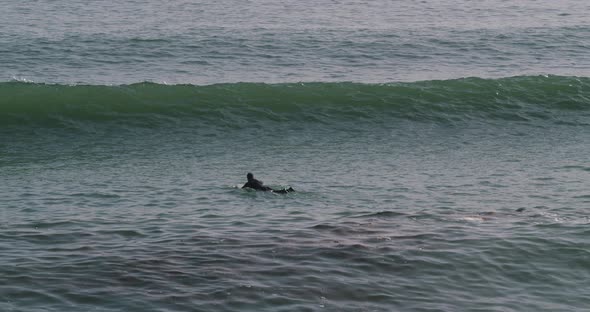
526	98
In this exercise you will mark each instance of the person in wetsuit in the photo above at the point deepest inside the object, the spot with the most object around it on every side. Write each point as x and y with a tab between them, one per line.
258	185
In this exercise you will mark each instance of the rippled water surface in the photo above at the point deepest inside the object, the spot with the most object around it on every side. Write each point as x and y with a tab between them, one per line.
474	218
460	194
205	42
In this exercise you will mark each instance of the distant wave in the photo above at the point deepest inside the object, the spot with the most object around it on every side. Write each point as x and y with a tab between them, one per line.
556	99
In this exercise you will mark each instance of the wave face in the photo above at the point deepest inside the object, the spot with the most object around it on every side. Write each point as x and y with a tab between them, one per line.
546	99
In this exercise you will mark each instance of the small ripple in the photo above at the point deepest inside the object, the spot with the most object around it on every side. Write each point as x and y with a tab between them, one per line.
382	214
127	233
346	229
421	236
45	238
211	216
49	225
573	167
30	295
96	195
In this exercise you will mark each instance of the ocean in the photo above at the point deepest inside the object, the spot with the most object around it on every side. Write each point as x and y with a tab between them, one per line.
439	151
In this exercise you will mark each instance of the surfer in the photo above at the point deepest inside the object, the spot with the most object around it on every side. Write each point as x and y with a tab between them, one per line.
258	185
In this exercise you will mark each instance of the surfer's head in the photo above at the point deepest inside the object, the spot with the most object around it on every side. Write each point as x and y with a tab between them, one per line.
250	176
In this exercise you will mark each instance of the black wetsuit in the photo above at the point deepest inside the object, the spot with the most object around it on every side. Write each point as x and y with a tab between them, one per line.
257	185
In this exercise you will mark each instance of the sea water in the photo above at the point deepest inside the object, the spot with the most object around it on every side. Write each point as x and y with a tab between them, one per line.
439	152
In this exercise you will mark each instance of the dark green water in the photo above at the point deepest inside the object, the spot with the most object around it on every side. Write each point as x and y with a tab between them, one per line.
127	130
448	195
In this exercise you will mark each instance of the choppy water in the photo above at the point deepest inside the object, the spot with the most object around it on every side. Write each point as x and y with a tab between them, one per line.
205	42
462	194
